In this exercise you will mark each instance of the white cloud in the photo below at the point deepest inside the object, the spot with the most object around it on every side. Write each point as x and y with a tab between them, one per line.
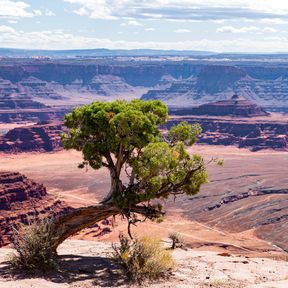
98	9
231	29
37	12
245	29
274	21
6	29
184	9
181	31
132	23
58	39
269	30
81	11
49	13
14	9
19	9
150	29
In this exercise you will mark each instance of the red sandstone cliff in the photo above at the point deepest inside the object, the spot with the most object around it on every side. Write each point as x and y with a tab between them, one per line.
237	106
254	135
43	137
23	200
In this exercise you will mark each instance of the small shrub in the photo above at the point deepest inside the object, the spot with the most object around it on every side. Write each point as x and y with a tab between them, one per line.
143	259
33	244
176	239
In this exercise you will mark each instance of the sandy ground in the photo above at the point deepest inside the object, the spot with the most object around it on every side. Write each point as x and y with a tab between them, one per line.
88	264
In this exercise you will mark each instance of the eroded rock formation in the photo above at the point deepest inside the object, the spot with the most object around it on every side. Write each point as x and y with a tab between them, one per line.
257	209
237	106
187	82
11	97
252	134
45	137
22	201
264	86
17	104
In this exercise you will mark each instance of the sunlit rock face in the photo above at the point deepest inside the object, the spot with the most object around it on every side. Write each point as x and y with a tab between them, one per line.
186	82
11	97
43	137
237	106
241	132
264	86
21	201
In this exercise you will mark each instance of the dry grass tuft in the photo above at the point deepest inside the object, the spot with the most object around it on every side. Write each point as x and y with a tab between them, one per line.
143	259
33	244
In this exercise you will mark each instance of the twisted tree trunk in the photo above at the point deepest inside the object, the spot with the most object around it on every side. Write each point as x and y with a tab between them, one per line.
81	218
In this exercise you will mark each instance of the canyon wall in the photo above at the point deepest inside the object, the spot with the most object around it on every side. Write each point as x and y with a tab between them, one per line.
22	201
220	82
254	135
45	137
178	83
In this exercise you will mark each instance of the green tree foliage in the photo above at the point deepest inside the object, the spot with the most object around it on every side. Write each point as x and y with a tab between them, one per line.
125	137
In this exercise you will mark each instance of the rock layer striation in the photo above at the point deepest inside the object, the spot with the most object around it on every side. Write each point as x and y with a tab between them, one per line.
43	137
252	134
22	201
237	106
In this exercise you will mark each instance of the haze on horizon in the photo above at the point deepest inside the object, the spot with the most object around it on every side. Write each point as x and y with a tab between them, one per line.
209	25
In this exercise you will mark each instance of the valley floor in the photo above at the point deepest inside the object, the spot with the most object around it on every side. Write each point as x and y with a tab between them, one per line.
242	170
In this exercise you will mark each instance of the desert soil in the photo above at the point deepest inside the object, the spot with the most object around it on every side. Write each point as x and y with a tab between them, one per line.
88	264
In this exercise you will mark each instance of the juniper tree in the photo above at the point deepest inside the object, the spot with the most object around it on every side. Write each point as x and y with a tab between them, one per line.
144	163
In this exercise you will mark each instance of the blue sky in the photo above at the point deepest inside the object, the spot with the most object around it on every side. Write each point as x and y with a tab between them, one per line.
210	25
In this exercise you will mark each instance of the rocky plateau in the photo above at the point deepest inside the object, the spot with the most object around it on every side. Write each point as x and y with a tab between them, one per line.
42	137
219	82
87	264
237	106
252	134
66	83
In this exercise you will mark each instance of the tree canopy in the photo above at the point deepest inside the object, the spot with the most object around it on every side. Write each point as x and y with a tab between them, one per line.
145	160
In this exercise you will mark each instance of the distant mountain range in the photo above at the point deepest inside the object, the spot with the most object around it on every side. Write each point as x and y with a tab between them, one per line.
10	52
102	52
